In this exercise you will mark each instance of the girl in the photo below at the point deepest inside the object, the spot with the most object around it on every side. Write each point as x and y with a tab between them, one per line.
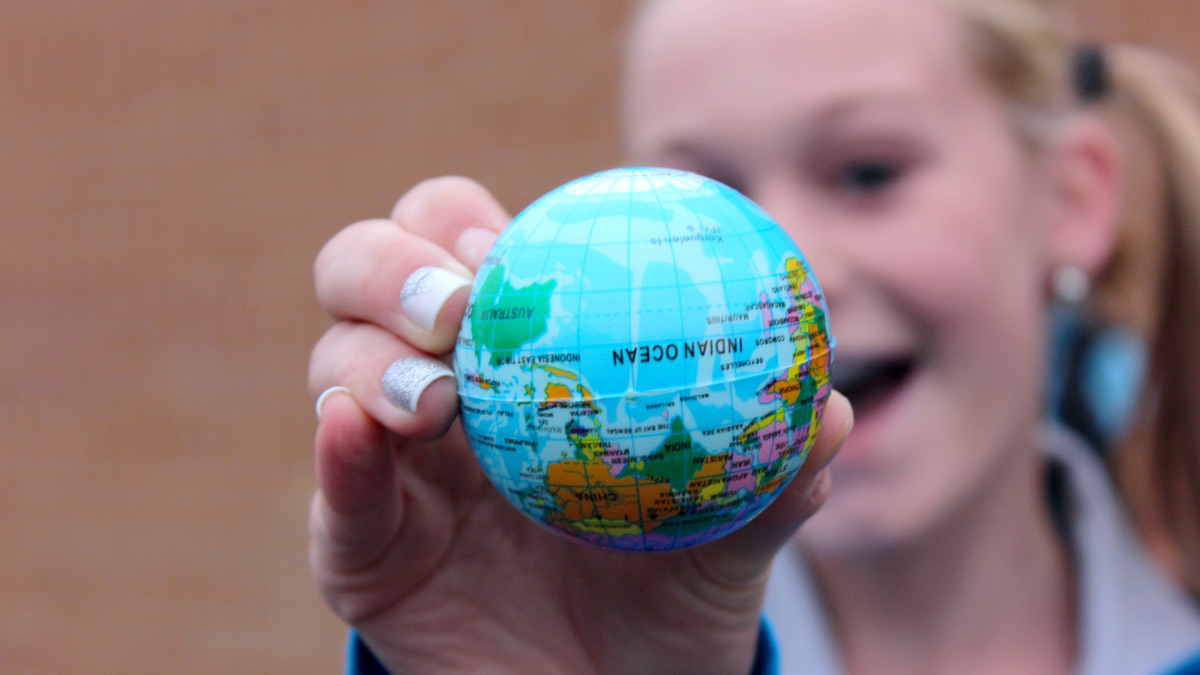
932	162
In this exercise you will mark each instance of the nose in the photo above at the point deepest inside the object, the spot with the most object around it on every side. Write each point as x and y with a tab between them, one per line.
801	217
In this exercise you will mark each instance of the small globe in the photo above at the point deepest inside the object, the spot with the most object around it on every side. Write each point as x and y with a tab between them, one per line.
644	360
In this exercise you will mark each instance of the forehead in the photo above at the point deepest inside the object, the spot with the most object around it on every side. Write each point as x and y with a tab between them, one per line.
752	61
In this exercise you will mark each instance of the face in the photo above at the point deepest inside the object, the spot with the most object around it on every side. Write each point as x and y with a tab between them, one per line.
865	130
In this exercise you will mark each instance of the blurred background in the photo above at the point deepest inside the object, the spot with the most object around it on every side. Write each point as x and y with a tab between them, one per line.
168	171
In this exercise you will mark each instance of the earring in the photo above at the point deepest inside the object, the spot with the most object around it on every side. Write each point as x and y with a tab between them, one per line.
1071	285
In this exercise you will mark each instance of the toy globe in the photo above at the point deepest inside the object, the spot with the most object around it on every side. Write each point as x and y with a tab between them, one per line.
644	360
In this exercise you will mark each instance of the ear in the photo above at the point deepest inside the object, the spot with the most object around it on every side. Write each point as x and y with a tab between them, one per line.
1086	185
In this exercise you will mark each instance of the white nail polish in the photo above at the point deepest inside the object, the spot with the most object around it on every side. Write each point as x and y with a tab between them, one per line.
326	394
425	291
406	379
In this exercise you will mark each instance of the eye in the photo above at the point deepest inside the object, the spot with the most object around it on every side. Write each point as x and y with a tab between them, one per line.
873	175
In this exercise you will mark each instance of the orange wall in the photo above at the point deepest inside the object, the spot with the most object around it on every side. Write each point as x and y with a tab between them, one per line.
169	171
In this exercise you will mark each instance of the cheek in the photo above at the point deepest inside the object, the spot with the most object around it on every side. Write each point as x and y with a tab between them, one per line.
976	300
974	292
965	281
964	262
981	300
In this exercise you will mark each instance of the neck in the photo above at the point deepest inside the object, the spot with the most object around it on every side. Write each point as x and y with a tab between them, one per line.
989	591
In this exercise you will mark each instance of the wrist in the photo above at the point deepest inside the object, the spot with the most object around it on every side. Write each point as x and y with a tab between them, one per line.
361	661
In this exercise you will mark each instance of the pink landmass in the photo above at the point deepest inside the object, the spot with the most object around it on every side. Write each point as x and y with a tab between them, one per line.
773	440
616	460
738	468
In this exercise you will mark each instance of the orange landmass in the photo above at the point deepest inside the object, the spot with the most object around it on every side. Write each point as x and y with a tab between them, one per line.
771	485
587	489
788	390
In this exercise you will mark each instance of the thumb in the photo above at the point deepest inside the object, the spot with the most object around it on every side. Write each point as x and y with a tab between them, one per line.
747	553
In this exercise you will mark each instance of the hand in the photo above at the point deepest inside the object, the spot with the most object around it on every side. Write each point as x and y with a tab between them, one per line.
413	546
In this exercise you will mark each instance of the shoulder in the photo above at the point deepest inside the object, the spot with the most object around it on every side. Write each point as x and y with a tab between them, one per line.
1133	619
1190	666
793	606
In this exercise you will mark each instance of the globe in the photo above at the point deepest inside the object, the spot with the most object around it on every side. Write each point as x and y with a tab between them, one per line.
644	360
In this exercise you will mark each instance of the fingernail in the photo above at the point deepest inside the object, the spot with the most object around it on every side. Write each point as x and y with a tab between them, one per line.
326	394
850	417
819	492
425	291
406	379
473	244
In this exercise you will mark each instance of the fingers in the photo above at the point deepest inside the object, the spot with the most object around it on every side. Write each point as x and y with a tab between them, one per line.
358	512
398	289
412	275
373	271
748	552
372	382
356	506
455	213
401	388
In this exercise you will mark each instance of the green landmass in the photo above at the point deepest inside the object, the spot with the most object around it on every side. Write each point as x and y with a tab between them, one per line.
802	411
504	316
666	462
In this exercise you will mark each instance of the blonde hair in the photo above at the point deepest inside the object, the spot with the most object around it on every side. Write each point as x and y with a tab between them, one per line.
1152	282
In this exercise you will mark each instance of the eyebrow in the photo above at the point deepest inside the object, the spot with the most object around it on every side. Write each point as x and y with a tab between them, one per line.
829	114
849	103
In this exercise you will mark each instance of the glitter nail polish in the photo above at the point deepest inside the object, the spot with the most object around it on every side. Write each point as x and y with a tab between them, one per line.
406	379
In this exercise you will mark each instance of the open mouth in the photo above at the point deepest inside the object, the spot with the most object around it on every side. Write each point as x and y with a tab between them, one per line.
869	381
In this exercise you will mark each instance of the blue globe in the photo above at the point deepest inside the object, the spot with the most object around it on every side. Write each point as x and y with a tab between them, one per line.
644	360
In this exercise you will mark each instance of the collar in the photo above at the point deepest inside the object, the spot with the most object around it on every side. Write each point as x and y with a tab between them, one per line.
1133	620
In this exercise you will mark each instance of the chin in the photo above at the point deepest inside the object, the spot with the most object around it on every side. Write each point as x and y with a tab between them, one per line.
867	520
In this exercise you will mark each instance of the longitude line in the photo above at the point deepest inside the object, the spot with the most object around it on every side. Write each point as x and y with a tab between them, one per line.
740	237
795	302
579	324
529	349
